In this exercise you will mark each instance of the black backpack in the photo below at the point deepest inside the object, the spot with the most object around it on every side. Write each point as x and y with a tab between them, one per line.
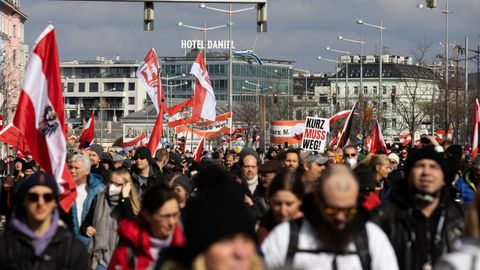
361	244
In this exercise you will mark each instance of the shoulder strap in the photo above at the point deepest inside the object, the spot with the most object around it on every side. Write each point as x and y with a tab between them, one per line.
361	243
295	226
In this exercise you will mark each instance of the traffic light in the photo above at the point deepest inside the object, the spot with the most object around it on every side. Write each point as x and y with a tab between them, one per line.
431	3
148	16
275	98
262	18
393	95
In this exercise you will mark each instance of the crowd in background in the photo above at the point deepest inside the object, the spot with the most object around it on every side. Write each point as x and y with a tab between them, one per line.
413	208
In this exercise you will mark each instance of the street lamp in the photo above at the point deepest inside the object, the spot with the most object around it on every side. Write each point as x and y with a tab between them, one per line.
446	11
347	53
380	55
204	29
167	78
336	75
360	43
229	12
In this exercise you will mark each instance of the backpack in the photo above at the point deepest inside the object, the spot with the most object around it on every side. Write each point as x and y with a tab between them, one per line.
361	244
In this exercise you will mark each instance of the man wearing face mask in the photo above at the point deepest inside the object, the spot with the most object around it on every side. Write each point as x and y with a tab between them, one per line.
351	156
420	218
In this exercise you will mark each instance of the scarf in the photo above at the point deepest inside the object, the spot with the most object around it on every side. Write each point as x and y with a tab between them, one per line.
106	217
39	243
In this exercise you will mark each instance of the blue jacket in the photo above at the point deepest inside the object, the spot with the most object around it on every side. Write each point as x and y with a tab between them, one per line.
466	189
94	186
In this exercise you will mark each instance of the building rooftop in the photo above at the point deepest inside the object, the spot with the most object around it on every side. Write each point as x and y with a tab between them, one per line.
389	71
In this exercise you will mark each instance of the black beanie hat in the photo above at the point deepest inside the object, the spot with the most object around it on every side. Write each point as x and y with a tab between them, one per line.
39	179
21	160
143	152
427	152
217	212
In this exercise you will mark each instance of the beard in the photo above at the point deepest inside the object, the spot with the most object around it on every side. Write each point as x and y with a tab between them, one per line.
329	235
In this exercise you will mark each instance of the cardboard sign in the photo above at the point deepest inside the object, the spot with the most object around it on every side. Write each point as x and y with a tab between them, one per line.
315	134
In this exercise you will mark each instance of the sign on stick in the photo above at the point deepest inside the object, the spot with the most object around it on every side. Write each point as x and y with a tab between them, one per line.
315	134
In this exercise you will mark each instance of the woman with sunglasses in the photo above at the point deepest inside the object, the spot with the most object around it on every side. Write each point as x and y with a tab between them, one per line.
35	234
156	229
285	195
117	202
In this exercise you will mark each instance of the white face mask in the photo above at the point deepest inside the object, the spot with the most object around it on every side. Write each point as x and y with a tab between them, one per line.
351	162
114	190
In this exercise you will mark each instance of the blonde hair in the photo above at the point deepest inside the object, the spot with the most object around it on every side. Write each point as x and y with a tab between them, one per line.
134	199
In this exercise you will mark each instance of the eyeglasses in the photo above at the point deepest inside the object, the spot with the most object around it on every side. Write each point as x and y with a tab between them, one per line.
142	158
34	197
350	155
333	211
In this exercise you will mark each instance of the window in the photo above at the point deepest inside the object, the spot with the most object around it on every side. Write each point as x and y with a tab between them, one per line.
81	87
394	123
131	86
93	87
355	90
365	90
394	89
347	92
384	90
131	101
70	87
384	106
375	90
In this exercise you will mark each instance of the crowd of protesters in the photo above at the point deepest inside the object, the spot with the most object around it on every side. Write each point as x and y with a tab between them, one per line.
412	208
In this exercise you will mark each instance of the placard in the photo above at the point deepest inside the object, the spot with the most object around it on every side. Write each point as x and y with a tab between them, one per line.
315	134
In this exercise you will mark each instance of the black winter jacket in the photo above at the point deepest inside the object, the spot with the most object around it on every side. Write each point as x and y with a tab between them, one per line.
63	252
414	237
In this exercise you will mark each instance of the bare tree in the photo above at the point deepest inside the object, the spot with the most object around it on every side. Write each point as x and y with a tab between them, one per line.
415	100
9	81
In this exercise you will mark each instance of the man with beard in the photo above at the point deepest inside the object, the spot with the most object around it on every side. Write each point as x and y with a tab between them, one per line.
291	160
331	234
95	153
421	218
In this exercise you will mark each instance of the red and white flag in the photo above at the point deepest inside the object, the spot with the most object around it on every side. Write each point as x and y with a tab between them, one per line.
204	101
180	113
338	116
88	133
476	118
442	135
406	139
199	151
149	75
136	142
12	136
378	143
40	114
154	142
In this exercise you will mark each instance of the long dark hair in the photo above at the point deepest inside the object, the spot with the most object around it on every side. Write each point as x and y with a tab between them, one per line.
288	181
156	196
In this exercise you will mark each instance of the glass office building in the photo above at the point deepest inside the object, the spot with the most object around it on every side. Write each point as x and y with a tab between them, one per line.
249	78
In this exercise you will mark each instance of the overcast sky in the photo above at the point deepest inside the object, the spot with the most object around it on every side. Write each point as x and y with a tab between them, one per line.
298	30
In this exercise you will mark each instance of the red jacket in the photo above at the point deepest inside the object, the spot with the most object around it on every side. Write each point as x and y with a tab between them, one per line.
370	201
134	236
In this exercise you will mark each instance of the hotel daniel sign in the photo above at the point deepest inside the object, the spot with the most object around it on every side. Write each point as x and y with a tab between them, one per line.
211	44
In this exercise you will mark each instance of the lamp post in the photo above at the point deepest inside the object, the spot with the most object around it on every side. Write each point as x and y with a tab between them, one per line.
360	43
446	11
168	78
336	76
229	12
101	114
347	53
380	54
204	29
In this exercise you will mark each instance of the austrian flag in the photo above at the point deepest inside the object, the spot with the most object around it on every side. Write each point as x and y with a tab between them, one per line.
40	114
204	101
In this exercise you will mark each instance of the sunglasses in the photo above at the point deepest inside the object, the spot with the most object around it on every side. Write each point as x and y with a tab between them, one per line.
333	211
351	155
34	197
142	158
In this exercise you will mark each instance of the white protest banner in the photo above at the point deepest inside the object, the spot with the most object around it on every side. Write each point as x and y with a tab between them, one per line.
315	135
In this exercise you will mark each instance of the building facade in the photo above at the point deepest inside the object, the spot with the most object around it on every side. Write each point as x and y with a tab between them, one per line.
404	86
13	54
109	88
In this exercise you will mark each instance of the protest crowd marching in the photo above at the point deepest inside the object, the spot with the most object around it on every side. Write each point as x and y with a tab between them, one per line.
343	206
